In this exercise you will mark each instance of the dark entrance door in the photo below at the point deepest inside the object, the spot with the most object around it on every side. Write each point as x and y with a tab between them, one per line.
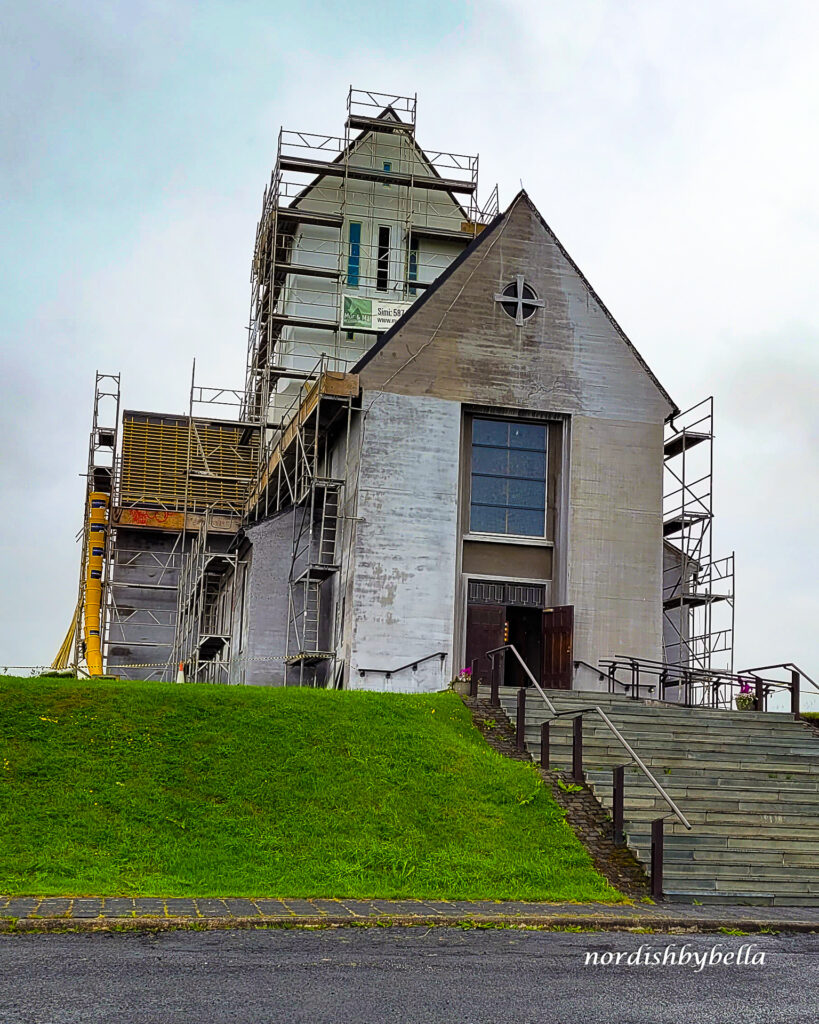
484	632
525	633
558	633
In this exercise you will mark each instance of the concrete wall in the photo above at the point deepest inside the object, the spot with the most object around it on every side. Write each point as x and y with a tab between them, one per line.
402	592
570	358
266	600
615	538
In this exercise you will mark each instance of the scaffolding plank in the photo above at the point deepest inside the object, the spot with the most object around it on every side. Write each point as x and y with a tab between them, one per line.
681	442
173	522
677	523
296	213
323	168
322	325
303	321
693	600
465	234
306	271
359	122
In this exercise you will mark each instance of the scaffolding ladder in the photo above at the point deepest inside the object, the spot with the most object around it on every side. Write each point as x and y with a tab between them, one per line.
315	562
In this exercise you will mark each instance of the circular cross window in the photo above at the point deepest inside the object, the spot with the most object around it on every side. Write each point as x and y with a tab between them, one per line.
518	300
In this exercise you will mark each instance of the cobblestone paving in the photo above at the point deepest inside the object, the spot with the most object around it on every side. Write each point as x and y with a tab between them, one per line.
186	911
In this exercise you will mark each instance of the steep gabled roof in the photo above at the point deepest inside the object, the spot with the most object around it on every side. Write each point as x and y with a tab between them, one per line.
480	241
444	276
387	114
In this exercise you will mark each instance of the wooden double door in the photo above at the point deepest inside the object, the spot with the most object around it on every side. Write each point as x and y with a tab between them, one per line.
542	636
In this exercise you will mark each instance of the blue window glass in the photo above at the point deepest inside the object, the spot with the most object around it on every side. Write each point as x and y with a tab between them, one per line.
508	478
412	269
354	255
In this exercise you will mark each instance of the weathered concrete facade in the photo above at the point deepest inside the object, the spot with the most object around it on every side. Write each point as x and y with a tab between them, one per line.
265	602
403	580
571	360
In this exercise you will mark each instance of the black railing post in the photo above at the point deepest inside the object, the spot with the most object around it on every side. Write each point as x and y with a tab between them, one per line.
520	724
473	681
545	761
759	695
494	695
577	748
619	781
657	858
795	686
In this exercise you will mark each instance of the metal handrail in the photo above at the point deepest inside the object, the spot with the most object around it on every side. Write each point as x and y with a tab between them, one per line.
635	757
410	664
511	647
710	680
789	665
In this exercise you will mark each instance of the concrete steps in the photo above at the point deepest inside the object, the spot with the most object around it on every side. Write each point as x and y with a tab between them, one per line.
748	782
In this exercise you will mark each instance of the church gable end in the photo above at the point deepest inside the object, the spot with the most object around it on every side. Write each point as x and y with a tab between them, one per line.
514	323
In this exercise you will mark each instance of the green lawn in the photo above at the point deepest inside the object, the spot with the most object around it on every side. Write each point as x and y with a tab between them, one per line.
123	788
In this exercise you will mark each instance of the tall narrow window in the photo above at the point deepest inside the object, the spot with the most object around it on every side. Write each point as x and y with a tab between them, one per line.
508	478
354	255
382	272
412	263
387	170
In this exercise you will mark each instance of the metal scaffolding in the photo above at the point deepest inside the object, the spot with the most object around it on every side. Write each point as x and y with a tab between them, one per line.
303	470
366	217
206	607
303	261
221	464
698	589
137	631
100	479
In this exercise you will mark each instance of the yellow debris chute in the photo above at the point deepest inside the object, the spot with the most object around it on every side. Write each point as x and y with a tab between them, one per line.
92	603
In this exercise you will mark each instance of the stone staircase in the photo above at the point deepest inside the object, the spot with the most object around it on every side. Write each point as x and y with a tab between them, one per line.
748	782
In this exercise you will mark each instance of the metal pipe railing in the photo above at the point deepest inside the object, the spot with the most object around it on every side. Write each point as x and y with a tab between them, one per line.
596	709
704	687
410	664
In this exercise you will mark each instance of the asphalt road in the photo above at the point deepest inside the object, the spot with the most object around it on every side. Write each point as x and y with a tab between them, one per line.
378	975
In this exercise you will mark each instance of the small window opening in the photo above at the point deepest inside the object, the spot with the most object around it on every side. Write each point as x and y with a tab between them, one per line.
382	274
412	268
354	255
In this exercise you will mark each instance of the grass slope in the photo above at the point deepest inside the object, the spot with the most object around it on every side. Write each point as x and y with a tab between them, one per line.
156	789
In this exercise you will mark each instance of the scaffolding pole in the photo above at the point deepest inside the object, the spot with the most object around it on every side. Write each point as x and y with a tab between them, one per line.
698	589
91	618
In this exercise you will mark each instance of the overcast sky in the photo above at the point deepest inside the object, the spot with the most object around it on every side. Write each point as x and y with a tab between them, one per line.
672	146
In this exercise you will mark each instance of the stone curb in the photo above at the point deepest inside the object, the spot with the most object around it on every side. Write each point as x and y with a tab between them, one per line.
586	923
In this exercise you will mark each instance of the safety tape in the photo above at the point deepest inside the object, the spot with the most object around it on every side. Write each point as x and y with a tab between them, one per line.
7	669
230	661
